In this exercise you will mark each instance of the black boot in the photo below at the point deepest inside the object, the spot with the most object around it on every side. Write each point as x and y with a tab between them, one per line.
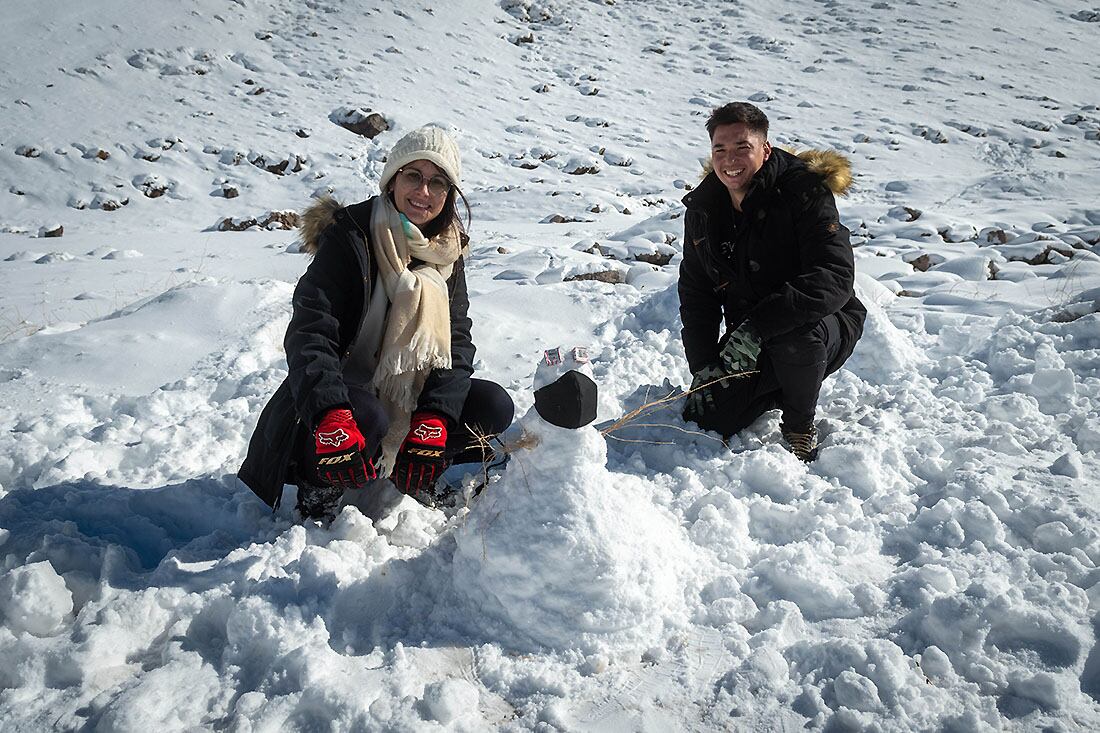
318	502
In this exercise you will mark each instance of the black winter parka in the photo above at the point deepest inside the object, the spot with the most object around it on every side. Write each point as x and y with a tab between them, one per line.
328	310
785	265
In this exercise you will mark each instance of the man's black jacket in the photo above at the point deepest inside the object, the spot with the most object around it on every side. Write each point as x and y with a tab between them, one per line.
328	309
785	265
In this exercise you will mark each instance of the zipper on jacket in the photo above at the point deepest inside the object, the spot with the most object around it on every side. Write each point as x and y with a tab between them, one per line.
367	286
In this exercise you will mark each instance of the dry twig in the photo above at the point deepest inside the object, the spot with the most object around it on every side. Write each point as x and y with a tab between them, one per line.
648	407
529	440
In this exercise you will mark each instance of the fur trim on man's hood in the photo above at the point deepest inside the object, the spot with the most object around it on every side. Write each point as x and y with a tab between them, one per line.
835	169
315	219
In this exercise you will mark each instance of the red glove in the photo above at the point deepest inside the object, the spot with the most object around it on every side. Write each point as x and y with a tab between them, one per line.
340	459
420	460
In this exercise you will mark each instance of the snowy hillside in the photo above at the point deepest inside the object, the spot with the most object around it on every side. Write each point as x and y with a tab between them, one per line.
935	569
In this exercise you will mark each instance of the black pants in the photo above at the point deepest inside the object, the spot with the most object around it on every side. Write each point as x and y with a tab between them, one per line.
792	367
488	410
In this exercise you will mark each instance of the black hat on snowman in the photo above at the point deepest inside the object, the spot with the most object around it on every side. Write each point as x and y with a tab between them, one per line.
565	389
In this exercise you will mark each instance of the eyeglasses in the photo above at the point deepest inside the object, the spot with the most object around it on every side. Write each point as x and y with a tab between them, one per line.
437	185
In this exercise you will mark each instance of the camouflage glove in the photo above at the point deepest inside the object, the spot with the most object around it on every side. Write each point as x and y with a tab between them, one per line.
701	398
742	349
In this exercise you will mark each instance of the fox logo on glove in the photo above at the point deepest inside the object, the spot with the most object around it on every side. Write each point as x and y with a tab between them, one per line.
335	438
428	432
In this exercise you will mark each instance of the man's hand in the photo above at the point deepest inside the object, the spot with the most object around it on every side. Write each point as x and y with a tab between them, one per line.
420	461
704	383
742	349
339	447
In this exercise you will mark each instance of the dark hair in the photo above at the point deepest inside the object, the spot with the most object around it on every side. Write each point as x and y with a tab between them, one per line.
734	112
447	216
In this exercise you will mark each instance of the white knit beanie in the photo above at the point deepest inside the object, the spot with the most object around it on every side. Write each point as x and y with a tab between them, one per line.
426	143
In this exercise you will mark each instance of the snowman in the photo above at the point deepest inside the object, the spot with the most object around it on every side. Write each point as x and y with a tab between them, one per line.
561	553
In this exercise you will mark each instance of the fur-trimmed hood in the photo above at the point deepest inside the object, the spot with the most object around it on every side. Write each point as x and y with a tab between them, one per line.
315	219
835	169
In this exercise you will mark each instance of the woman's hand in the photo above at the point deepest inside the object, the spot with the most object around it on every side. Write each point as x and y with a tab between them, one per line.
421	461
339	447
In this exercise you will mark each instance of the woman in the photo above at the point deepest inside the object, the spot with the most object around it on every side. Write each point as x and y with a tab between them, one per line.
379	349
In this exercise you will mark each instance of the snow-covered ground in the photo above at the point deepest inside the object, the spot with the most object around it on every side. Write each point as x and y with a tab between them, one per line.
935	569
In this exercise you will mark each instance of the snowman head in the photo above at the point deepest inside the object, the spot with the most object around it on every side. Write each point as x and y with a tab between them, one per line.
565	390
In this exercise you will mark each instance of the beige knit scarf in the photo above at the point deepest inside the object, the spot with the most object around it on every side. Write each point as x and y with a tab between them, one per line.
417	335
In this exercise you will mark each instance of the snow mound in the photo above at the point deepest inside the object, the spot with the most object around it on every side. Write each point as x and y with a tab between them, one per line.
559	534
34	599
884	349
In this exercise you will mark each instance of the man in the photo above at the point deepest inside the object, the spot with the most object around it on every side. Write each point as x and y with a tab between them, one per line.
765	254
